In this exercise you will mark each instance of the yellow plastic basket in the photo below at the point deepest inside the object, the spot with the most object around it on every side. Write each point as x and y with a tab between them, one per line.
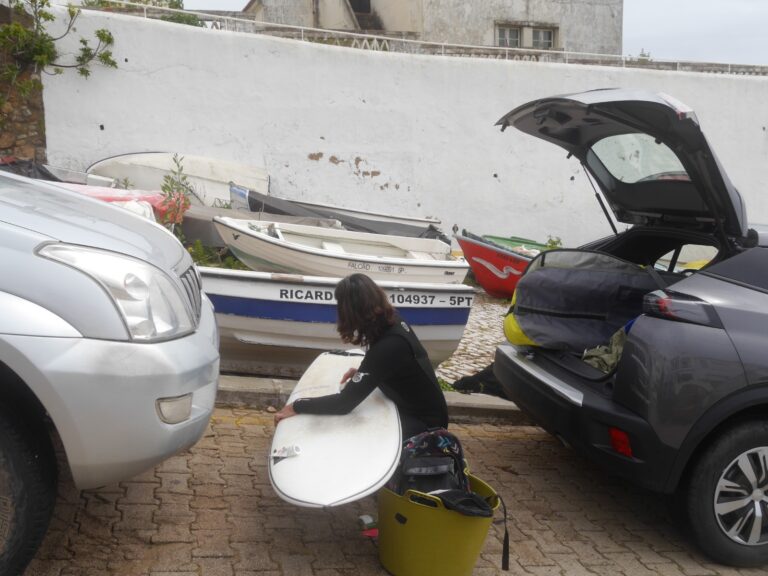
418	536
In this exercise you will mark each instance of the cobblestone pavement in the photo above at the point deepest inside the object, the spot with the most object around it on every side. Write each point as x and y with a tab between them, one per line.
483	332
210	511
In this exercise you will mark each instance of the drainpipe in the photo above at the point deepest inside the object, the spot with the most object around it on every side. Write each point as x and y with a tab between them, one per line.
315	13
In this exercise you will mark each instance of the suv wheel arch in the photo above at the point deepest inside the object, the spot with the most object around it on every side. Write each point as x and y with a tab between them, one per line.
743	405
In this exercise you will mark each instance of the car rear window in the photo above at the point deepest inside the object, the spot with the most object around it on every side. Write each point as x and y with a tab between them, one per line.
634	158
749	267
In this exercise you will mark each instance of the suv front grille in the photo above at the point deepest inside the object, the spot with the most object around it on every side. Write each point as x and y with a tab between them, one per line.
192	286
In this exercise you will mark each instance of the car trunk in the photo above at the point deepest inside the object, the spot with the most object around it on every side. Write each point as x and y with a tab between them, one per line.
574	300
570	301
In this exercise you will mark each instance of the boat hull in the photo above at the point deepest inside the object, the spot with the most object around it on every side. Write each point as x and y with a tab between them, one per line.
496	269
277	324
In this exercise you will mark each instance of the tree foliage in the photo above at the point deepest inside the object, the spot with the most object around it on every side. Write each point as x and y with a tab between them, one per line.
28	49
26	45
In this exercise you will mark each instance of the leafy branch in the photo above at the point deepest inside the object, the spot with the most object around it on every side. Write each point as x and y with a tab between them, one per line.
27	49
176	190
26	45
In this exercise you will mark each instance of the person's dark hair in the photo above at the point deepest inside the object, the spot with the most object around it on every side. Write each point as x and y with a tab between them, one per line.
363	309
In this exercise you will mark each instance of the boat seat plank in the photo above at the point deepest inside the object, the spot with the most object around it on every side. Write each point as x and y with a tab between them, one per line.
332	246
421	255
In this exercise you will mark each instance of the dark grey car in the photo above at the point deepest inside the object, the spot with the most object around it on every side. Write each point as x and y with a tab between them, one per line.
685	408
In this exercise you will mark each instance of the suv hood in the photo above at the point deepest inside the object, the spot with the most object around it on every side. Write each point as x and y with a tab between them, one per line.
67	216
646	152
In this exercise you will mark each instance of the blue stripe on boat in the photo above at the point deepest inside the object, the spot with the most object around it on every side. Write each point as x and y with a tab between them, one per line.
326	313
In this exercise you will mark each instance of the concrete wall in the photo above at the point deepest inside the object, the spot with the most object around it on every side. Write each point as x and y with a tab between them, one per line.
399	15
336	15
384	131
293	12
583	25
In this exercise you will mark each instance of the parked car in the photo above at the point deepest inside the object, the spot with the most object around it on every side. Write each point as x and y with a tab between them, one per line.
106	342
685	409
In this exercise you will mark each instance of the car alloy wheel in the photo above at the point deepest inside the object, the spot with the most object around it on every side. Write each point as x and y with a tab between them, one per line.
741	498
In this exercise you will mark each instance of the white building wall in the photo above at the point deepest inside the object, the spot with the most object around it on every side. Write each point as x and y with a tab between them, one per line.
384	131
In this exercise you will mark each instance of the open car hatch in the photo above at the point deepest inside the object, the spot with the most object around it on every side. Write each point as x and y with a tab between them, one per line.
647	153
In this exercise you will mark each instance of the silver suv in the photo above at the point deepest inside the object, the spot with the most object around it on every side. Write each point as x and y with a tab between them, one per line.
106	342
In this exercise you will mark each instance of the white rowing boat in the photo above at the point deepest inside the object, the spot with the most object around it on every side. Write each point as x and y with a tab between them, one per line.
293	248
209	177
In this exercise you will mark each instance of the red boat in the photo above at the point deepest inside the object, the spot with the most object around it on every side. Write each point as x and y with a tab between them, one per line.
497	267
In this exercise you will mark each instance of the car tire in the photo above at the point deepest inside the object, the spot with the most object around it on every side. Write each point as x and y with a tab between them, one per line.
27	492
727	497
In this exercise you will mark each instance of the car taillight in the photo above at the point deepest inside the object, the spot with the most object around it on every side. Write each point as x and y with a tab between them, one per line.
620	442
680	307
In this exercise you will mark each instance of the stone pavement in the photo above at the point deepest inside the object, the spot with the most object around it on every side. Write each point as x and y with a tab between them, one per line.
481	336
210	511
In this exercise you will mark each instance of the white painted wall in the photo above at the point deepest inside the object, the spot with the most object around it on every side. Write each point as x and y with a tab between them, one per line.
384	131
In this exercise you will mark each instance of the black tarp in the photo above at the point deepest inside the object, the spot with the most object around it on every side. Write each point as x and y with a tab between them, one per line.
576	299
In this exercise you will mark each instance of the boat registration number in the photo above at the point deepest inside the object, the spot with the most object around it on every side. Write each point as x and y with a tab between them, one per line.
383	268
397	298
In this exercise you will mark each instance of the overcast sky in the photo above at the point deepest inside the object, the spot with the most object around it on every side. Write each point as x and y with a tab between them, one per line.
734	31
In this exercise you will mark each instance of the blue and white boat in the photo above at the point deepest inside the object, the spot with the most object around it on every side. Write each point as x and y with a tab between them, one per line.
276	324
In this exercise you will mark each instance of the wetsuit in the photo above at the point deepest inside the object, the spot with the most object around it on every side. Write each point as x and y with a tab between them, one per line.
398	364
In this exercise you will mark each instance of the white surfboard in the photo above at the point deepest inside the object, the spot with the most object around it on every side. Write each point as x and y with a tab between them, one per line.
317	461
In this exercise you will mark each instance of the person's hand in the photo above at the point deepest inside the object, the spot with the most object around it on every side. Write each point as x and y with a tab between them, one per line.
348	374
286	412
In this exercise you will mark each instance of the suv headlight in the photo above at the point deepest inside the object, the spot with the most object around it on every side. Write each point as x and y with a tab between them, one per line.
151	305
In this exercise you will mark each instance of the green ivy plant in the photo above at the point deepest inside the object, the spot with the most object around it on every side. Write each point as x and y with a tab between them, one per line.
27	47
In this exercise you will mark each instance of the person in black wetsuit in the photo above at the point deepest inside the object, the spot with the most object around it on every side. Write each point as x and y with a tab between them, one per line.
395	361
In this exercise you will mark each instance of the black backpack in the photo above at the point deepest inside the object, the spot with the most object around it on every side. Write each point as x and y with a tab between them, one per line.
432	460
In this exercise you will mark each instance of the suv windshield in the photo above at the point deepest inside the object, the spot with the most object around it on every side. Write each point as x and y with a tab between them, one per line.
634	158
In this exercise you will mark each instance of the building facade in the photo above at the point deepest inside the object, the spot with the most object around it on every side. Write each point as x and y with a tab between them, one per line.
592	26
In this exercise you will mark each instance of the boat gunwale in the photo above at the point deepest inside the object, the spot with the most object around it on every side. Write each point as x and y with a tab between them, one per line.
300	279
495	247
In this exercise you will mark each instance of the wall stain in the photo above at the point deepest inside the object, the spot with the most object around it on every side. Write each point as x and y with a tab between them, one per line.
335	160
316	156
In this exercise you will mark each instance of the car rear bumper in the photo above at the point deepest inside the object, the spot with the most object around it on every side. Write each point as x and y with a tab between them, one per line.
582	416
